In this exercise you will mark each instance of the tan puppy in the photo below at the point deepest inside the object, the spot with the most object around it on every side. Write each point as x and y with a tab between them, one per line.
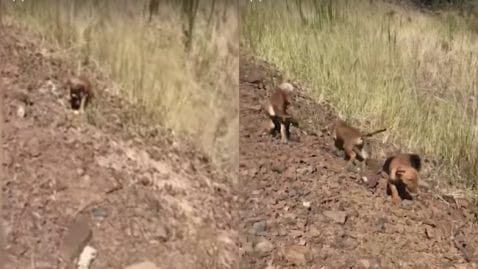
402	170
80	92
350	140
276	109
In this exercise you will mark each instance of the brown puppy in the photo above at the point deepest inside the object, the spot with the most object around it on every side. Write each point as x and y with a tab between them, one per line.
80	92
402	170
350	139
276	109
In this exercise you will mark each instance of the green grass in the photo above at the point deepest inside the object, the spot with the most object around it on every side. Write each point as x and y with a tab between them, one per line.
192	92
392	66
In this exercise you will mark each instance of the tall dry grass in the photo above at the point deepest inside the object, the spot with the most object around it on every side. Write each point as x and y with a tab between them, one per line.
389	65
177	59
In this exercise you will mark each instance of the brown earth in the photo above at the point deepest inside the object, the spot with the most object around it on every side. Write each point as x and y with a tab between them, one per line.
144	194
299	209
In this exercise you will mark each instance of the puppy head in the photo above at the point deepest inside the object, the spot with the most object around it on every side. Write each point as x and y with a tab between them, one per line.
409	177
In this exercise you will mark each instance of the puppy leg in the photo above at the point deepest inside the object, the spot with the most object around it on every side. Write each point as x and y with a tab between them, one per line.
284	133
395	197
351	154
83	103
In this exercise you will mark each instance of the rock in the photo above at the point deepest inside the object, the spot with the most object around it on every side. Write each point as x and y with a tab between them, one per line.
336	215
99	213
428	233
306	204
297	255
34	147
380	224
162	233
306	170
22	96
270	266
407	203
263	247
371	181
364	264
86	257
260	227
143	265
74	241
21	112
80	171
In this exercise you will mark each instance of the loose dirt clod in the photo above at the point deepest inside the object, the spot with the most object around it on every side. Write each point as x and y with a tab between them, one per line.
337	216
297	255
143	265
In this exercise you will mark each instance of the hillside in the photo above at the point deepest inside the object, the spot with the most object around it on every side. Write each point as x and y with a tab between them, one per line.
144	196
300	210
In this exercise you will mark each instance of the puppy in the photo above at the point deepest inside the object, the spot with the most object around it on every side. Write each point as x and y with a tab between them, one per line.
276	110
351	140
80	92
402	170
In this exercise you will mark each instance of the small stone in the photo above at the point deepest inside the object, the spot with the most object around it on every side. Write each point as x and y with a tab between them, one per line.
364	264
270	266
86	257
336	215
297	255
80	171
74	241
34	147
260	227
21	112
306	204
162	233
428	233
263	247
306	170
142	265
99	213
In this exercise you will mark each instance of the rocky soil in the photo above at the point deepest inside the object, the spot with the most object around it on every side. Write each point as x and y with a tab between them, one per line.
138	196
300	210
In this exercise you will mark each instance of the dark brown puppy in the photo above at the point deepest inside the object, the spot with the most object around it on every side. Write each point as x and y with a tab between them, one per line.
276	110
402	170
350	140
80	92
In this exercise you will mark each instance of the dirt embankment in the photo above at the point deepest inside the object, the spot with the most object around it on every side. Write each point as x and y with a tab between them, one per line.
142	197
299	209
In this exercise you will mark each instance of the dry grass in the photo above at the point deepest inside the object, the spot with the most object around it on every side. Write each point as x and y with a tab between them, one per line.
388	65
193	92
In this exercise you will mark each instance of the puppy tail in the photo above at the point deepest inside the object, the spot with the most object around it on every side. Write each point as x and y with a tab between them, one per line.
375	132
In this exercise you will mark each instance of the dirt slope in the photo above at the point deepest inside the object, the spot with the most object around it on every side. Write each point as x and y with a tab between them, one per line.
145	197
347	225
